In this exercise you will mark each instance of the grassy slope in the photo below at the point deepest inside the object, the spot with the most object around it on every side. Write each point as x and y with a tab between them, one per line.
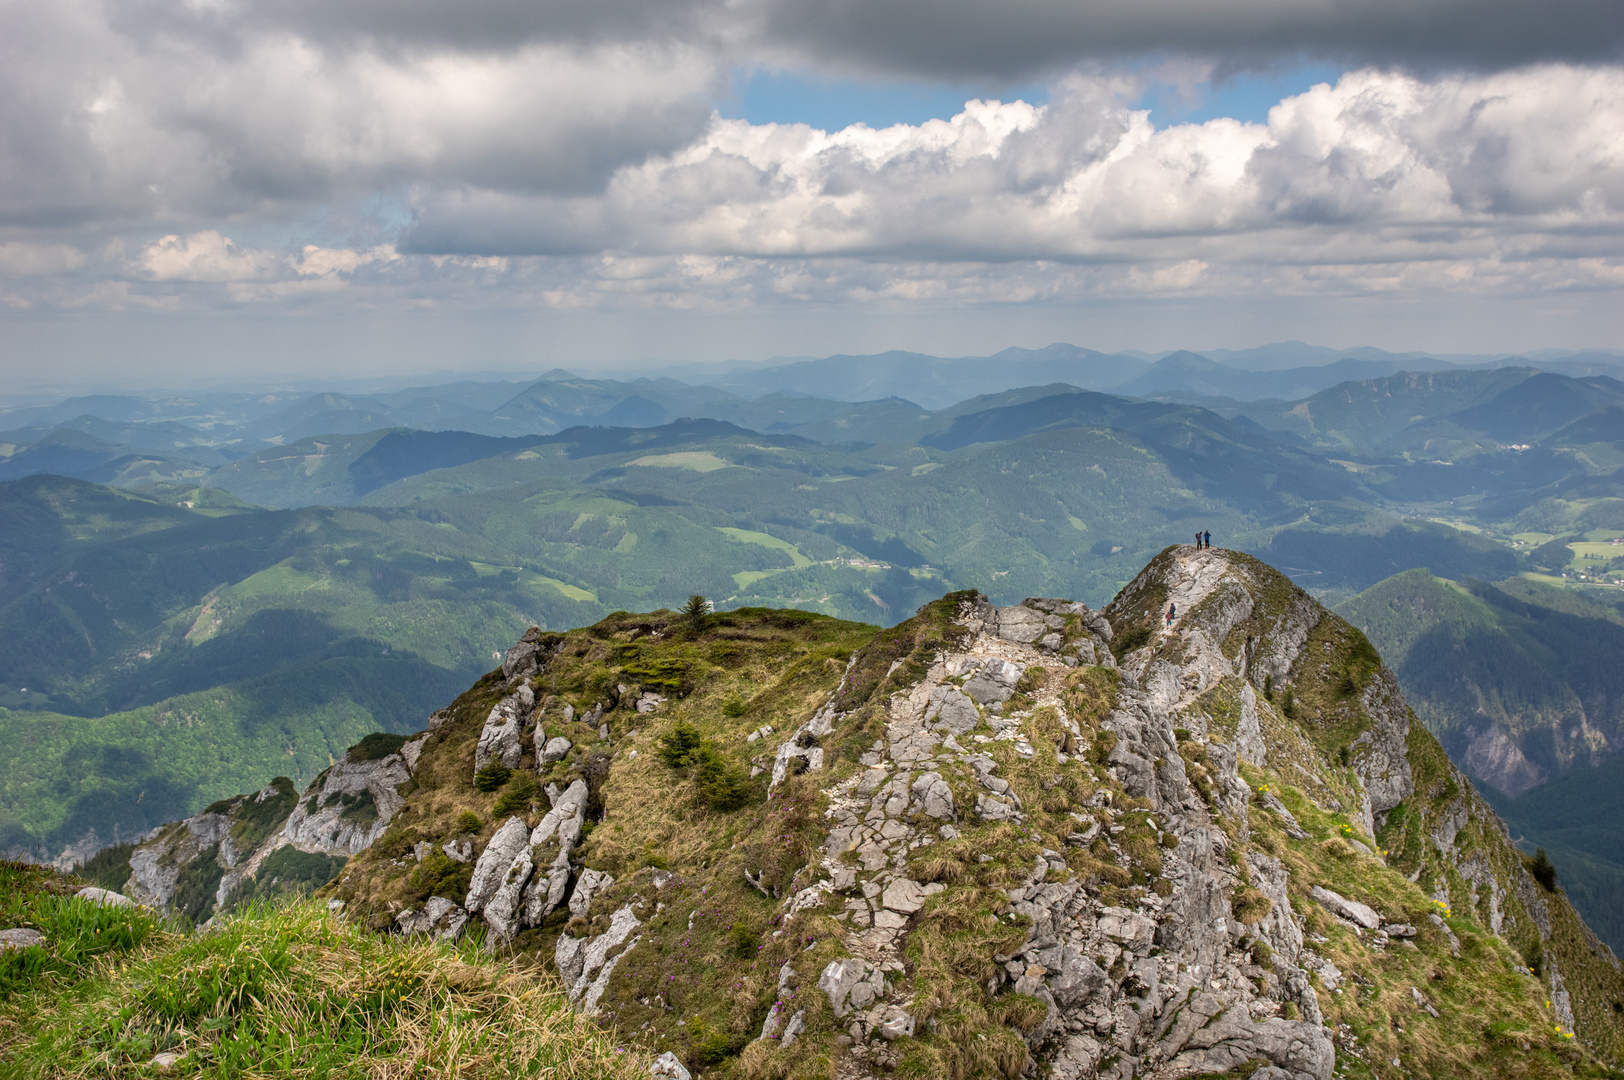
1527	658
272	993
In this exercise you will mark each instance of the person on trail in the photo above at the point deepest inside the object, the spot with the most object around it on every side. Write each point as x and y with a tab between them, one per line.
1206	539
1198	539
1172	611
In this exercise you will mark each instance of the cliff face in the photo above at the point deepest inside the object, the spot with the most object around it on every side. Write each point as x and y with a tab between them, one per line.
984	840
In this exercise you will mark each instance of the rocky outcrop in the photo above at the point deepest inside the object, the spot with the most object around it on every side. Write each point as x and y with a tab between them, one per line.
524	874
350	805
1166	986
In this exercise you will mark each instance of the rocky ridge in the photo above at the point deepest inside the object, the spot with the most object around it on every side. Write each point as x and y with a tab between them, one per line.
994	840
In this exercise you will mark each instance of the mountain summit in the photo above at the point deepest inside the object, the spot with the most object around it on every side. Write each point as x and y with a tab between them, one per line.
986	840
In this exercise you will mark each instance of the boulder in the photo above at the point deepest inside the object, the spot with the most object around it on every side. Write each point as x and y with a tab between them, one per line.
22	938
499	740
1351	910
440	919
588	885
893	1023
667	1067
554	750
491	869
523	657
934	796
105	896
904	895
851	984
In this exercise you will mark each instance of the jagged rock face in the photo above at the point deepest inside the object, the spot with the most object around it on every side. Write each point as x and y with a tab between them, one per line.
341	813
156	865
1161	985
348	807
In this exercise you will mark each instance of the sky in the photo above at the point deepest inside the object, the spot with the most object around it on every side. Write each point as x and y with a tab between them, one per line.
217	188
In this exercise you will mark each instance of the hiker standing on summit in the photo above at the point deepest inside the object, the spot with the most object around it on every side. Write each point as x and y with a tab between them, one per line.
1206	539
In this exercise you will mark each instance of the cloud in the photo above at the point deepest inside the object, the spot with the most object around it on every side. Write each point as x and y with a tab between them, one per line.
955	38
1380	167
951	39
185	118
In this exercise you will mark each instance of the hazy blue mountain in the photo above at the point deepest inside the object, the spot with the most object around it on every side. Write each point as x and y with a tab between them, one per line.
1192	375
933	381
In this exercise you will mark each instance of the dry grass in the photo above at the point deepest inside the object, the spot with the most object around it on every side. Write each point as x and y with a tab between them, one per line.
291	992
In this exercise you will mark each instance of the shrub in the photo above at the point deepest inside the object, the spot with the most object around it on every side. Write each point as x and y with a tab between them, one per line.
491	777
109	868
379	744
517	796
1543	870
469	822
198	882
696	613
734	706
1134	637
679	746
440	875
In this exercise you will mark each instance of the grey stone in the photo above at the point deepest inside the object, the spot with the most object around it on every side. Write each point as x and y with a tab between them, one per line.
499	739
592	955
588	885
793	1029
1351	910
104	896
318	821
22	938
904	895
951	711
934	796
1020	624
995	809
667	1067
504	910
491	869
893	1023
521	658
851	984
440	918
555	750
986	691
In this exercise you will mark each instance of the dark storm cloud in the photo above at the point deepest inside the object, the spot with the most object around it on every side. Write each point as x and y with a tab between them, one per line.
952	38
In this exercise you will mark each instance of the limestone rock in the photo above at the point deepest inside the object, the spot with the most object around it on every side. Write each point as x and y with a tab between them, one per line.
23	938
555	749
588	885
585	963
499	740
851	984
504	911
1342	907
893	1023
934	796
104	896
667	1067
440	919
491	870
522	658
950	710
320	822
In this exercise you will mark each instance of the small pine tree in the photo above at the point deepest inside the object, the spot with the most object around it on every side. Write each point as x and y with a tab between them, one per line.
1544	870
697	613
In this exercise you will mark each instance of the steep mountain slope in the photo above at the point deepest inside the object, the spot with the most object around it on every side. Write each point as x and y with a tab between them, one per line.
778	845
1520	681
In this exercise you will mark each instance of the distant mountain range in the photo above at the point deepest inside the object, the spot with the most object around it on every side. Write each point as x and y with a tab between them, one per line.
208	585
